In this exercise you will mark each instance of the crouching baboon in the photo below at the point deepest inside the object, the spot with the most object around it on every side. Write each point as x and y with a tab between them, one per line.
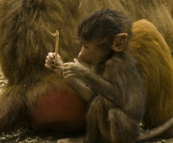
39	98
112	85
149	50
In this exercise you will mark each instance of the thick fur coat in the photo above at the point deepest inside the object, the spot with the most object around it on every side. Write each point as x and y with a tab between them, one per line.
155	63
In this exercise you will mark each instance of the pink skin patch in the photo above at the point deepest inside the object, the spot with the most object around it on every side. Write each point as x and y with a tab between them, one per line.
59	111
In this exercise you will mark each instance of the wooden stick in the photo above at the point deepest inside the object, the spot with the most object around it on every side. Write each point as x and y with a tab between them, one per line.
56	45
56	34
52	34
61	67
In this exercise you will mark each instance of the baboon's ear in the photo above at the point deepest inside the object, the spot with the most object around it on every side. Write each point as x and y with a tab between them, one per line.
120	42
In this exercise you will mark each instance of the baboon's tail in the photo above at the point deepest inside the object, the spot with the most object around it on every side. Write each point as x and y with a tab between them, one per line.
147	134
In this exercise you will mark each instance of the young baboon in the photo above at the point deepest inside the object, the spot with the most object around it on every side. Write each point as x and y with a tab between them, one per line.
113	84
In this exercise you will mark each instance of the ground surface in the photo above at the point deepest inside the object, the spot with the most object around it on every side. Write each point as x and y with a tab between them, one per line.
26	135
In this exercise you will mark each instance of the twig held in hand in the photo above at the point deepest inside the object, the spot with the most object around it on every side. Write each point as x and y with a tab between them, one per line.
56	46
56	34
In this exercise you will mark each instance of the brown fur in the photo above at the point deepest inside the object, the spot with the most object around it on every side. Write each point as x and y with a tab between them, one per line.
25	43
172	11
157	12
155	63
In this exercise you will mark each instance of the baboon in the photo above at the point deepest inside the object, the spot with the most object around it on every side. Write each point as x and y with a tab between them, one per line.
151	49
112	85
117	94
25	42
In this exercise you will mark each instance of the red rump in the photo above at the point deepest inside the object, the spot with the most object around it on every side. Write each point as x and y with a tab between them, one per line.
59	111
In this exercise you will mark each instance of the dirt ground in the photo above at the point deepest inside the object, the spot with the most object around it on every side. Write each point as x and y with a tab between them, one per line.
26	135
